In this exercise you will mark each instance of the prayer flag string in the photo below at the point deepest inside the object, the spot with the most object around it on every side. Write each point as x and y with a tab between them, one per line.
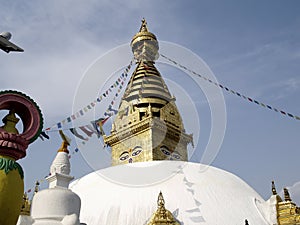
109	112
85	132
267	106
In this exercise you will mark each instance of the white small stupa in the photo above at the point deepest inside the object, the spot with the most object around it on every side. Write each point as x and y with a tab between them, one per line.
56	205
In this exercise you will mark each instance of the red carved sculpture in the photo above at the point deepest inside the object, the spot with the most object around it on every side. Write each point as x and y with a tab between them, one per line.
13	144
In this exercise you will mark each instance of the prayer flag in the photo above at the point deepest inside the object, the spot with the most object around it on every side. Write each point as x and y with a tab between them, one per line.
43	133
76	134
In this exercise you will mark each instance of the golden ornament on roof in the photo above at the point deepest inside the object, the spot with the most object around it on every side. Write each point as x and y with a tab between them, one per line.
162	216
65	143
25	209
144	44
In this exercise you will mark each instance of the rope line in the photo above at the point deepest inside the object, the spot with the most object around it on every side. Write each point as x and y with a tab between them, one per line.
119	83
232	91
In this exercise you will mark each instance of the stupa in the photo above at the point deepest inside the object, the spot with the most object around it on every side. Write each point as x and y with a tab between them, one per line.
149	158
56	205
149	155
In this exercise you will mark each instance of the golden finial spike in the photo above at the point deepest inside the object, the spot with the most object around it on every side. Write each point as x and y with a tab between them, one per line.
144	27
160	201
65	143
144	44
274	192
36	188
287	196
162	215
10	121
25	208
64	137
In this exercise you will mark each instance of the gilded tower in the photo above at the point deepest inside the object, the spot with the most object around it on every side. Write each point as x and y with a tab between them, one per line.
148	125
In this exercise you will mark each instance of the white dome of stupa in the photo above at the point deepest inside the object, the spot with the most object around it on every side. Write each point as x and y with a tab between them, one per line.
195	194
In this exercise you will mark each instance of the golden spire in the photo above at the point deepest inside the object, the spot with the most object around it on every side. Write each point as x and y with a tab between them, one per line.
36	188
147	110
161	202
25	208
145	83
144	44
65	143
162	216
274	192
287	196
144	27
10	121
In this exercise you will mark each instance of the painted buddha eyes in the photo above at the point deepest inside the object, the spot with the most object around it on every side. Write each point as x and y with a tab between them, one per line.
135	153
170	155
124	156
176	156
165	150
130	154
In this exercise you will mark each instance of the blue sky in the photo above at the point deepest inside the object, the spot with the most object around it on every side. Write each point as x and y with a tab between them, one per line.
251	46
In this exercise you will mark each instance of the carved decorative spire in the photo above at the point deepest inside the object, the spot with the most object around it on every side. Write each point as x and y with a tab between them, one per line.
25	209
161	210
147	111
36	188
274	192
161	201
144	44
144	27
287	196
287	211
162	216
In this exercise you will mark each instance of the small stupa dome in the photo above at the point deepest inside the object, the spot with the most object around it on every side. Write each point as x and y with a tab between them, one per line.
55	203
61	163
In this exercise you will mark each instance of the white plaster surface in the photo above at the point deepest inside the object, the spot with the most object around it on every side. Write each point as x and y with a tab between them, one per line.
61	164
127	195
